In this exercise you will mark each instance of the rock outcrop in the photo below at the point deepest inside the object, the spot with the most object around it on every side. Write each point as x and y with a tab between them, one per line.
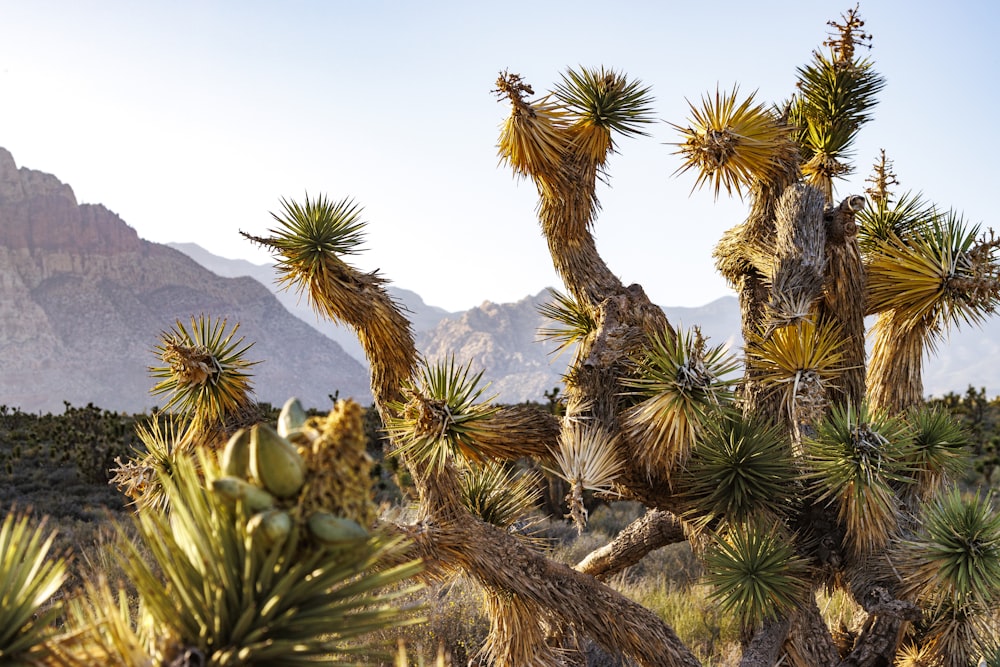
83	301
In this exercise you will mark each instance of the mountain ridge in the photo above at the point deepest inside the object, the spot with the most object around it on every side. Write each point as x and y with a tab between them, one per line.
84	300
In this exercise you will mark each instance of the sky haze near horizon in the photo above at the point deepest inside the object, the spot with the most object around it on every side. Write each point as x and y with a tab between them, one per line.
192	120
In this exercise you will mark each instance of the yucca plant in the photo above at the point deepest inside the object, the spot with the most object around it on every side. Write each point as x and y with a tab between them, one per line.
29	578
955	554
501	495
755	572
939	450
600	102
571	322
740	469
680	384
219	593
800	363
534	136
164	438
588	459
103	629
941	275
732	144
444	412
856	460
205	371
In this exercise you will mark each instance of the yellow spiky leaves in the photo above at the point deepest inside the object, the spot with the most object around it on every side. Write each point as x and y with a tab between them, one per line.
799	362
533	137
680	384
575	123
731	143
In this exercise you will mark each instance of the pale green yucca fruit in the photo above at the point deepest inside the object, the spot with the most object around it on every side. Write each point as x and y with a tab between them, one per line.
219	594
29	579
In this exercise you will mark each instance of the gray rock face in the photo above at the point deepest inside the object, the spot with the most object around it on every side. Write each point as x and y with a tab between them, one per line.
83	301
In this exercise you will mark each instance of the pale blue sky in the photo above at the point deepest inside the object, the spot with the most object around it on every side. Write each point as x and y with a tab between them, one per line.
192	119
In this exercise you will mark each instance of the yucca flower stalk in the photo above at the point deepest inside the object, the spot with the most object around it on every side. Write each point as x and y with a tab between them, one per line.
741	468
206	372
732	144
29	578
800	363
444	411
680	384
230	600
588	459
571	322
755	572
601	102
836	94
856	459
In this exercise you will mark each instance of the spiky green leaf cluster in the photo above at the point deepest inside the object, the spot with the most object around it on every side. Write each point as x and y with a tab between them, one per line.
857	460
937	276
28	581
443	414
571	322
955	555
755	572
205	372
883	219
607	99
212	590
740	468
681	384
499	494
734	145
938	450
835	99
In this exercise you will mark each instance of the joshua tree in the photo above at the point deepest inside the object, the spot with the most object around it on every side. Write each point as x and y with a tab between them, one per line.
811	469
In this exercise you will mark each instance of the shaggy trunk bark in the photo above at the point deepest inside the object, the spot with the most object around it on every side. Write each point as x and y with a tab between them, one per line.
649	532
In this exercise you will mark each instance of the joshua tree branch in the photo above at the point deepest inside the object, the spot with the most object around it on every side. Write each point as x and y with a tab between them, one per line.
649	532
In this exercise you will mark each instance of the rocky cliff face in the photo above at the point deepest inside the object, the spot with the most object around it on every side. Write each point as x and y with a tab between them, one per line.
83	300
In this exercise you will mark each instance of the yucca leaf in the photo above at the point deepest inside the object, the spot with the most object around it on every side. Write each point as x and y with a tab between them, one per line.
856	459
571	322
732	145
29	578
680	385
443	415
755	572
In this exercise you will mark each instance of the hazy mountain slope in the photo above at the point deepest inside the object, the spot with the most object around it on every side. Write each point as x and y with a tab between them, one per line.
83	300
